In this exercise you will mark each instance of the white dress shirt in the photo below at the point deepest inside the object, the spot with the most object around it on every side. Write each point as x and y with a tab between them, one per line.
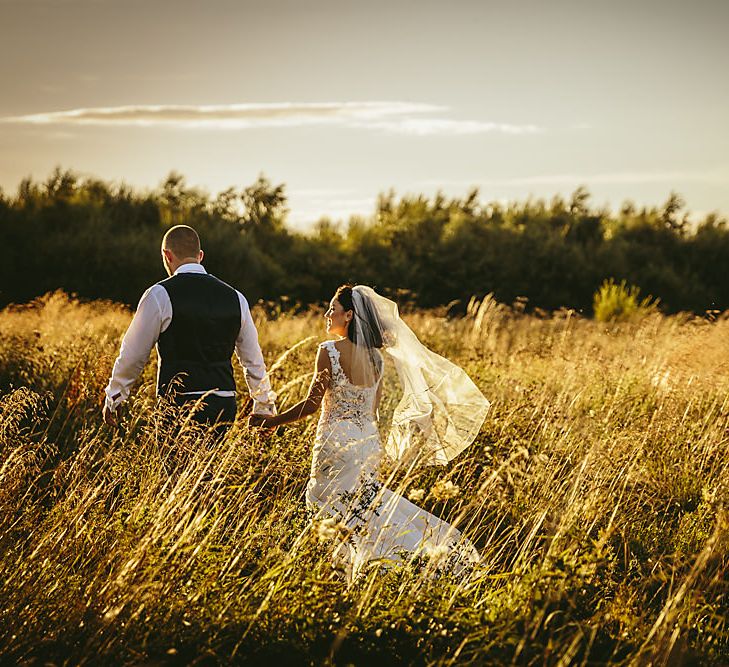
153	316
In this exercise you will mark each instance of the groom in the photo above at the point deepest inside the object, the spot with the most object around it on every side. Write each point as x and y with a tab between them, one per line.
196	321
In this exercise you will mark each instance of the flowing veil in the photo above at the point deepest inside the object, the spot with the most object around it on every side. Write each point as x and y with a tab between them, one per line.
441	410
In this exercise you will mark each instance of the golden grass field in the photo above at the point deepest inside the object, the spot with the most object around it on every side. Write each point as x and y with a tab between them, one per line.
595	492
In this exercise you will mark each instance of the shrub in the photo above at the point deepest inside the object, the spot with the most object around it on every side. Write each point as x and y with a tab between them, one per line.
615	302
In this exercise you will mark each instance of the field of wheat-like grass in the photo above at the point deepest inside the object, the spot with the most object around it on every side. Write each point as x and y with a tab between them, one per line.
595	492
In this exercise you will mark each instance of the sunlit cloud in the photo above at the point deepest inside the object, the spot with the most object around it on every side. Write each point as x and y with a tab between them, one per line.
619	178
426	126
320	194
394	117
716	176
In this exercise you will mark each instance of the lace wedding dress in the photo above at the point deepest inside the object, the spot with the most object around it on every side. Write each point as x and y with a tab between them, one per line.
381	525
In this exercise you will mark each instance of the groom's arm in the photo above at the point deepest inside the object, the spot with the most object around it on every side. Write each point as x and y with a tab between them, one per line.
249	354
153	311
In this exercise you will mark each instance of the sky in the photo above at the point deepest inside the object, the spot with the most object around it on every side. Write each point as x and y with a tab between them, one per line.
341	100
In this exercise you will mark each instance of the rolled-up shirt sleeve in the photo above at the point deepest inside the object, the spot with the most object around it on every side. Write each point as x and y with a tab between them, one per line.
248	352
136	346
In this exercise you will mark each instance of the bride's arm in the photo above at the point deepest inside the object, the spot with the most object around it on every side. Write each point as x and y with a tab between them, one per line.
319	384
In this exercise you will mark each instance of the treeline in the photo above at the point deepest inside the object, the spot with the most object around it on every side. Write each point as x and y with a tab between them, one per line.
100	240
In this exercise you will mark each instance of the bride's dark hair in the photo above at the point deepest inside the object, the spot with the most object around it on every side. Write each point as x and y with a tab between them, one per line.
367	318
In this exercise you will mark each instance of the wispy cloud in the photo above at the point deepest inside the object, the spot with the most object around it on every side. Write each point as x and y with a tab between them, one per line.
716	176
426	126
396	117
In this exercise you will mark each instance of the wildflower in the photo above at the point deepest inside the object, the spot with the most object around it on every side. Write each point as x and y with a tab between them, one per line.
416	495
330	528
709	495
445	490
660	380
327	529
437	554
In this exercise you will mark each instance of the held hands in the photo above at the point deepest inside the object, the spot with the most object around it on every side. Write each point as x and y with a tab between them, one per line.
108	415
260	421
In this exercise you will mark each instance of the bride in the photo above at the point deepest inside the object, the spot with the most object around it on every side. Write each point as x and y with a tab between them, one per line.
439	414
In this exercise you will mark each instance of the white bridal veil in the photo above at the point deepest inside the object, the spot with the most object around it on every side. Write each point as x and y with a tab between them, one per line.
441	410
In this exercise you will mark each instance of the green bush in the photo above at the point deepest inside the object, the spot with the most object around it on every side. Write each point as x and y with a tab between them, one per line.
101	241
615	302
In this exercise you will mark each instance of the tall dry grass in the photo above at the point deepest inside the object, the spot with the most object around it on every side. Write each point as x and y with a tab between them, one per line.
595	493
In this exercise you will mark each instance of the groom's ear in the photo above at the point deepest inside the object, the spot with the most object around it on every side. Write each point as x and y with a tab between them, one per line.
202	255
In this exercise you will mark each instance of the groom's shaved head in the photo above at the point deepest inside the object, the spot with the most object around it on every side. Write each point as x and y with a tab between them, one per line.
183	241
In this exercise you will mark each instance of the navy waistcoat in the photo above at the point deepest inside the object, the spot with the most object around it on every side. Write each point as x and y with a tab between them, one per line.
195	350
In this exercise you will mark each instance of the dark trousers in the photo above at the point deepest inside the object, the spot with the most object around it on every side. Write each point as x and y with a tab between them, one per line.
212	410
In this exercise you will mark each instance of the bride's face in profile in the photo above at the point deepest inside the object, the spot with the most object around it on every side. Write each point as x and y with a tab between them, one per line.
337	319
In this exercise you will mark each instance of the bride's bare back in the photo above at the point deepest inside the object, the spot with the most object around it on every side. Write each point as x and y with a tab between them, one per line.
359	374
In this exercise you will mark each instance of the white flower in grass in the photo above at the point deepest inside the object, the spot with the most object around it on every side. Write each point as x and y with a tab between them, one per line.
327	529
437	554
445	490
660	380
416	495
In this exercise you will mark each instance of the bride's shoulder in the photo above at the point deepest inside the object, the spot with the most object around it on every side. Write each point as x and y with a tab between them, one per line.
324	356
326	349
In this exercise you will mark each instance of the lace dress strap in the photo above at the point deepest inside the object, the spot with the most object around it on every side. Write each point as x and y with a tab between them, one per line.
333	353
